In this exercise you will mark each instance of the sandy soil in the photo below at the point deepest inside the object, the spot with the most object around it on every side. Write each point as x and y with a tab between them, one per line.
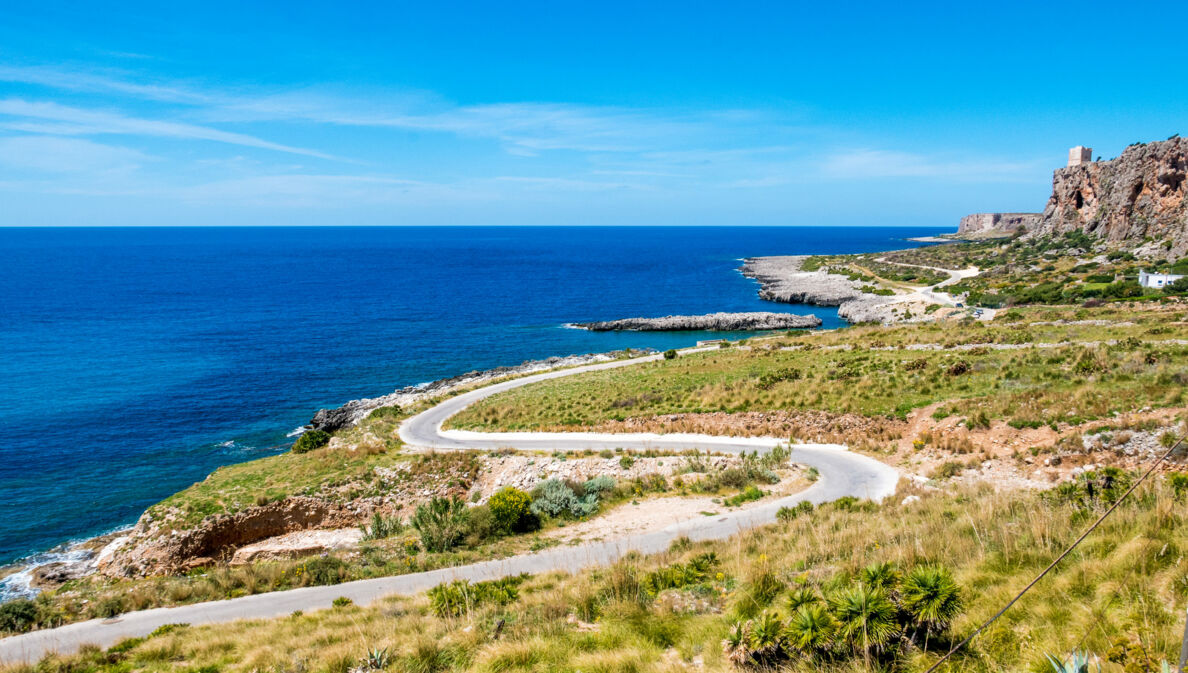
655	514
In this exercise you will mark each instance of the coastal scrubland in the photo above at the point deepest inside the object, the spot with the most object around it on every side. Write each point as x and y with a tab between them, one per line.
1048	366
1118	596
429	527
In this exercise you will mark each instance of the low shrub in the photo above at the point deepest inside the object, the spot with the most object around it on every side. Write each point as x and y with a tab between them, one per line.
670	354
1092	490
342	602
511	511
787	514
310	440
857	619
457	598
441	523
382	527
749	494
18	615
325	570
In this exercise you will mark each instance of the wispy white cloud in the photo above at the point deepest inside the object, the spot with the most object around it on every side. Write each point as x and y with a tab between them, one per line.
67	155
523	128
67	120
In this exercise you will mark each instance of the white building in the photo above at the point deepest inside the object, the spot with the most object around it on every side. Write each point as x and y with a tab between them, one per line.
1157	280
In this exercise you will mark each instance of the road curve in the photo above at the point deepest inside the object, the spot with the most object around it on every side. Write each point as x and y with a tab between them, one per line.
842	473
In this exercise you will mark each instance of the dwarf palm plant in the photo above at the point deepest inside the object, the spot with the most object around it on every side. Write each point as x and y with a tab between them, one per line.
736	644
865	617
811	628
802	596
931	598
767	638
883	576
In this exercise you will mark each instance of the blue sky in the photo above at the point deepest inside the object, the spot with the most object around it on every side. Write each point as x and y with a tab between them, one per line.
568	113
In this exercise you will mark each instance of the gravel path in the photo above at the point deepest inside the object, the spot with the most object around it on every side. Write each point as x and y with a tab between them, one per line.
841	473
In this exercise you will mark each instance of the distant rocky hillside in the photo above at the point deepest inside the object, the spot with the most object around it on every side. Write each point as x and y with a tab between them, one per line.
1137	196
1137	199
980	223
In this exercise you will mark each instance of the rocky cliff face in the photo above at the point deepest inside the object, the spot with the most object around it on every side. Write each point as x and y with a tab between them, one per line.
1139	195
979	223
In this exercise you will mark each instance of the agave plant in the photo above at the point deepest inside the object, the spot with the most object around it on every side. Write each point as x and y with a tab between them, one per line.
811	628
1078	663
377	659
802	596
865	617
931	598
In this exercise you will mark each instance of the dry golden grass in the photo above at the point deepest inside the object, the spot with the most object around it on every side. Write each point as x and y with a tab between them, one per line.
1127	584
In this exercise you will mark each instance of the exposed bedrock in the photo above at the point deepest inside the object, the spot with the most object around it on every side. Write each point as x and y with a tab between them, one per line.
714	322
782	279
217	537
1141	195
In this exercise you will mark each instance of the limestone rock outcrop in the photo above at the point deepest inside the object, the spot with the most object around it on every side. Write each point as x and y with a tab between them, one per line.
983	223
1139	195
153	551
717	322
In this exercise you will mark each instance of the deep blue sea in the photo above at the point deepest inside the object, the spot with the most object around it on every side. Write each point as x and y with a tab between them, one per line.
134	361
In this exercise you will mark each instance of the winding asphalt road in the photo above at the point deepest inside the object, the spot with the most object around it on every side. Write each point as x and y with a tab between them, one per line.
842	473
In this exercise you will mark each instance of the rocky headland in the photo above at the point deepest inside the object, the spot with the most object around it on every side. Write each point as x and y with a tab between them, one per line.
782	279
1139	196
984	225
713	322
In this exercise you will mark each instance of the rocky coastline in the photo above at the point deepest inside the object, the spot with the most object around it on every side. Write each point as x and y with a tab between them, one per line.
330	420
782	279
713	322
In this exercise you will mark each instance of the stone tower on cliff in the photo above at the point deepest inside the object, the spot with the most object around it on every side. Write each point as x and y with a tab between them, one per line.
1080	155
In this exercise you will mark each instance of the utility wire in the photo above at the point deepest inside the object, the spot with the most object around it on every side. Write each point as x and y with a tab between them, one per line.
1060	558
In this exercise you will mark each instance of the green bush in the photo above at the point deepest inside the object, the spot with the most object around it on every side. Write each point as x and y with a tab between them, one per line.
441	523
881	613
457	598
787	514
511	510
342	602
18	615
310	440
382	527
1092	490
1179	483
670	354
748	494
556	498
326	570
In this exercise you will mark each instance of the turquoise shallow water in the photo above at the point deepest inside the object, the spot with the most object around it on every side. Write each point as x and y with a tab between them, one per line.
135	361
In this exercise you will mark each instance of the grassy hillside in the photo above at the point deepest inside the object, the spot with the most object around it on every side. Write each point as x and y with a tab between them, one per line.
1121	594
1031	366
